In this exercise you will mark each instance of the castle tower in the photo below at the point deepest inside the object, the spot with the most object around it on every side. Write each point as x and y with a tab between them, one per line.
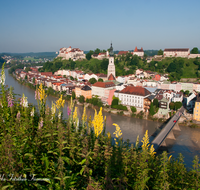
111	65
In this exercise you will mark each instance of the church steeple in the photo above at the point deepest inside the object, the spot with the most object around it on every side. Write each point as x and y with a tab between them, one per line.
111	51
111	65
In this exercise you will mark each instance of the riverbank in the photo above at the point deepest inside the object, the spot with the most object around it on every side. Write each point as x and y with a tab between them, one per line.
108	109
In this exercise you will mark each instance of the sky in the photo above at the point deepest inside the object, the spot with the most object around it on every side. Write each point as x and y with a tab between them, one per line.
48	25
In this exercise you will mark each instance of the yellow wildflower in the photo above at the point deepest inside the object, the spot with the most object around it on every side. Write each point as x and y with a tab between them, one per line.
118	131
71	104
89	122
84	116
137	142
145	141
169	158
42	93
75	114
53	109
151	151
98	122
109	135
60	102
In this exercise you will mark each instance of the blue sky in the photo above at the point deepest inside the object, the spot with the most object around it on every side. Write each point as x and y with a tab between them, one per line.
48	25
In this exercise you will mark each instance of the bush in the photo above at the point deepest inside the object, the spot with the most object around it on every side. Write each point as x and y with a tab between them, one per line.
115	102
119	107
133	109
81	99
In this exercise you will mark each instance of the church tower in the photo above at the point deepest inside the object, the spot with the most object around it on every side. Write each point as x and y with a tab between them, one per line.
111	66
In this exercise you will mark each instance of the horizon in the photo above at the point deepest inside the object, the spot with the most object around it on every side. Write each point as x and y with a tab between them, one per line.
46	26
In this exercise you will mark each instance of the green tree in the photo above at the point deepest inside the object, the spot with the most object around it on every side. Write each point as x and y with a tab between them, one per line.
89	54
115	102
171	105
27	69
81	99
26	77
97	51
71	78
160	52
151	110
177	105
92	80
194	50
100	80
33	80
73	95
156	103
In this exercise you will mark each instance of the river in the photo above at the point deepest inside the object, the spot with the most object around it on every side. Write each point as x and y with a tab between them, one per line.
187	140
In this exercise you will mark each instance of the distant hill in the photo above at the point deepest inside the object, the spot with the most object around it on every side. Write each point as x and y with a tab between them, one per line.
32	54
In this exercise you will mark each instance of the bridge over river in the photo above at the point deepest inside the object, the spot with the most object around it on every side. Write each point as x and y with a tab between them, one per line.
167	130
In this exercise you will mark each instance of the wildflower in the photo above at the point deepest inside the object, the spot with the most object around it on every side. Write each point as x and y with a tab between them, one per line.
71	104
151	151
41	123
169	158
117	132
18	115
145	141
109	135
60	102
137	142
42	94
3	76
24	101
37	95
84	116
32	112
75	114
10	100
98	122
53	109
68	111
59	115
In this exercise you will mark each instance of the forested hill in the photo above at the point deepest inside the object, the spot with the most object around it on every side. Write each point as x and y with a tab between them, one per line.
48	55
127	64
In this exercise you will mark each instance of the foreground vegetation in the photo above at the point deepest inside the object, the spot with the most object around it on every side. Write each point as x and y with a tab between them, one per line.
41	150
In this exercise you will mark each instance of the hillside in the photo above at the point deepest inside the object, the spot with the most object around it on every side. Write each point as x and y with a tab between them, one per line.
177	67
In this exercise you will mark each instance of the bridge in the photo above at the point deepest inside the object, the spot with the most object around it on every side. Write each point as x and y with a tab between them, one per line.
167	130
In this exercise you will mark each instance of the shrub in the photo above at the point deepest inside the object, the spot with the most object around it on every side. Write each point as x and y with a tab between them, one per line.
133	109
119	107
115	102
81	99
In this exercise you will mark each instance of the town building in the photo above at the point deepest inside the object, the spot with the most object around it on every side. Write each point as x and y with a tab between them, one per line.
133	96
196	111
85	91
71	53
138	52
176	52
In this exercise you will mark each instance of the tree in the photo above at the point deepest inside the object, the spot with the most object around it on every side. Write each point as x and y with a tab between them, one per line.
151	110
155	102
73	95
81	99
177	105
194	50
97	51
26	77
115	102
28	69
171	105
33	80
71	78
89	54
160	52
92	80
100	80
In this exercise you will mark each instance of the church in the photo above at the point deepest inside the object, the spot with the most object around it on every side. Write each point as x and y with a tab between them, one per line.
111	65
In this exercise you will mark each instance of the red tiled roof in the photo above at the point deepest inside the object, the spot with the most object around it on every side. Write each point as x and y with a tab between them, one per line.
177	49
111	77
138	50
122	52
104	84
135	91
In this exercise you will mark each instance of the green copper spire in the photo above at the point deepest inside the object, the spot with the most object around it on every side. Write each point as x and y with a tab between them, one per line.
111	51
